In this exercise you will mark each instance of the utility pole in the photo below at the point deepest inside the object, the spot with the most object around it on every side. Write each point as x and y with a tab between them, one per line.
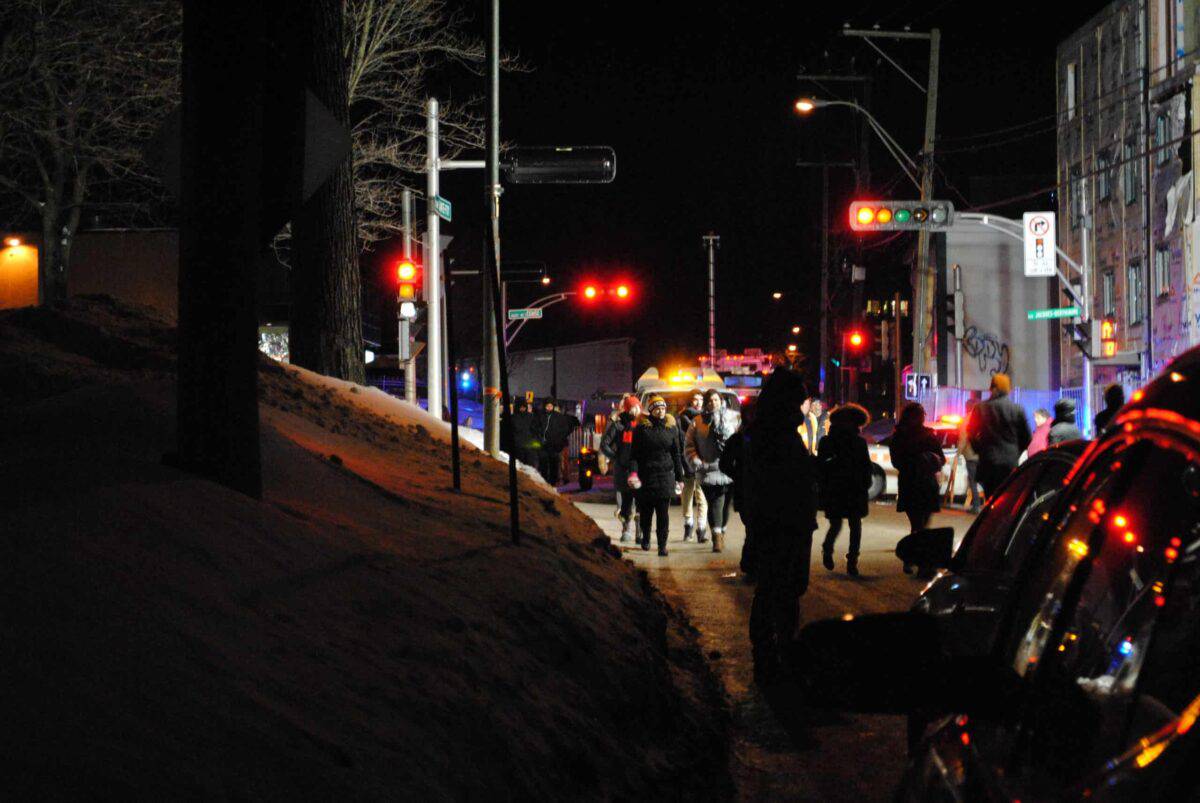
404	335
433	268
922	291
712	242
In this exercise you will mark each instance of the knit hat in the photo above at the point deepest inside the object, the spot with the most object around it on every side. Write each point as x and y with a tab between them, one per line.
1001	384
656	401
629	403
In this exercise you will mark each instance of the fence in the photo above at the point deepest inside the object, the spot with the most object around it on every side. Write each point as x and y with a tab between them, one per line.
942	401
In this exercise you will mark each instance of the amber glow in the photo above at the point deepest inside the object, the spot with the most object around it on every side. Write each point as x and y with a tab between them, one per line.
883	216
866	215
12	242
805	105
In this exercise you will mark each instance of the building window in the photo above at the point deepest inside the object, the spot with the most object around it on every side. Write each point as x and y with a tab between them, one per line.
1072	77
1129	172
1162	271
1161	131
1103	177
1076	192
1108	294
1134	291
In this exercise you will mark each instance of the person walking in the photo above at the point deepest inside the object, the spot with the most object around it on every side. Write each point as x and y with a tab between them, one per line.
617	445
999	432
695	506
781	499
1114	399
844	477
554	429
1064	428
1040	438
810	428
704	444
970	460
917	455
733	465
656	471
525	443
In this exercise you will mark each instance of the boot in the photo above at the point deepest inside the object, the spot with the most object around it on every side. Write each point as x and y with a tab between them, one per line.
627	532
662	550
851	565
718	540
701	535
687	531
645	543
827	558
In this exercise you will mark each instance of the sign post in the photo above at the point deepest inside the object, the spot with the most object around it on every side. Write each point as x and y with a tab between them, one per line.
1040	242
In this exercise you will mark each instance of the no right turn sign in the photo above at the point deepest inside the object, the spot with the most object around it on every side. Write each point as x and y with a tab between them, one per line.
1040	257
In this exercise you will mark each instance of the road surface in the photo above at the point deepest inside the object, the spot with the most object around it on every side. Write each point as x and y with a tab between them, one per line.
830	757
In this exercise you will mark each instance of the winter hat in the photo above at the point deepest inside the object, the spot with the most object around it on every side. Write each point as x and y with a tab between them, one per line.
1001	384
1064	409
629	403
656	401
853	414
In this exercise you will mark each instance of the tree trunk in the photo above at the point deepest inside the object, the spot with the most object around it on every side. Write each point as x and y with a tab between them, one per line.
326	324
52	286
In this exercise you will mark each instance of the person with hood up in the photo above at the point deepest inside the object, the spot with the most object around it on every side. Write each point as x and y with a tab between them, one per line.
999	432
525	442
705	443
1040	438
553	428
781	499
617	445
656	471
1114	399
695	506
1063	428
917	455
844	476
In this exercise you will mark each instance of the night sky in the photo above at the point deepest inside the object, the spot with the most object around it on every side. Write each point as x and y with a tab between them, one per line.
696	98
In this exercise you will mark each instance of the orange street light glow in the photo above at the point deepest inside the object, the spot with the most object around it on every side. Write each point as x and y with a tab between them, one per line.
805	105
12	242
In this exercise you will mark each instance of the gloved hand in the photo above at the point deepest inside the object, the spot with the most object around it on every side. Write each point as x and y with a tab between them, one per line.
679	489
633	481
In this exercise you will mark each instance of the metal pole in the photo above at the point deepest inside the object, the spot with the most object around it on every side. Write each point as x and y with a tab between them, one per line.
496	357
824	316
898	357
1086	292
958	343
433	273
452	370
923	298
712	242
405	333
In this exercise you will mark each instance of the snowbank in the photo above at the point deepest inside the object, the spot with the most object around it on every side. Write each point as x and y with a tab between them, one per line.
360	632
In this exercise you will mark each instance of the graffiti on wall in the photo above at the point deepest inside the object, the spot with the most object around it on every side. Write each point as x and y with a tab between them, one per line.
987	349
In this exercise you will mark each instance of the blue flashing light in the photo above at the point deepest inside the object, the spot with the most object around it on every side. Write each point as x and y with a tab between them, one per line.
1126	647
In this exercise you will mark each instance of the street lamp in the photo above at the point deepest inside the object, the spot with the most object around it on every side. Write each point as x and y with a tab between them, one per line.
795	330
777	295
910	168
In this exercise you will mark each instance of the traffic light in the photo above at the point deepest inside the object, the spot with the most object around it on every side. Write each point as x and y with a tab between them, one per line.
901	215
955	315
855	339
594	291
1088	336
881	341
408	288
1108	338
589	164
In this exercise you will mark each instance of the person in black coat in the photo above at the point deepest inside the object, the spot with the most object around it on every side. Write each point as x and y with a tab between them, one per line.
656	470
844	473
1063	428
617	445
917	456
780	497
1114	399
553	429
999	432
525	443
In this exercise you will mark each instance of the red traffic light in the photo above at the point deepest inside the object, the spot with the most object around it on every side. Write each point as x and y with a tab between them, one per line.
622	291
855	338
408	276
590	292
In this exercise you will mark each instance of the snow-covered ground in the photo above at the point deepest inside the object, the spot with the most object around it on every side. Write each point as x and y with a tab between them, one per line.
361	631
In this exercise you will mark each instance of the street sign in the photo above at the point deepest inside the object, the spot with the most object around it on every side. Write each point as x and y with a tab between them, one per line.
1041	259
442	207
524	314
1056	312
917	384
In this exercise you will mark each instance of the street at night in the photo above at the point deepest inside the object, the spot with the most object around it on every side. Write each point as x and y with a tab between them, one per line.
472	400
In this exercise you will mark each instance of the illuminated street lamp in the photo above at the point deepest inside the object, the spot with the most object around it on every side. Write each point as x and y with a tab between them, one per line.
777	295
795	330
792	348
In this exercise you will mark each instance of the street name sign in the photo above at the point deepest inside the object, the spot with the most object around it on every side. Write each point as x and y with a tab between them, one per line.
1056	312
524	314
442	207
1041	259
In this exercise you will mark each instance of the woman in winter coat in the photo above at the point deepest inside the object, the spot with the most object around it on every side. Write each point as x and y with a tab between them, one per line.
917	455
656	470
844	474
705	443
617	445
780	497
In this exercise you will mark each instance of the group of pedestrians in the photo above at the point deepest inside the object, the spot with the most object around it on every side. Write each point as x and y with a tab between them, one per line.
540	436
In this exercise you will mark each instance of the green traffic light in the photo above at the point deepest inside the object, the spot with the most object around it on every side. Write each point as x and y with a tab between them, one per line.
902	215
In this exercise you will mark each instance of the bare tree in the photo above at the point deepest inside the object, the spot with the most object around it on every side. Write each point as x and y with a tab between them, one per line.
85	84
392	49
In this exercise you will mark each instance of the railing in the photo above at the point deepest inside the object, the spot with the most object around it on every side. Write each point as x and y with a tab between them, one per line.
941	401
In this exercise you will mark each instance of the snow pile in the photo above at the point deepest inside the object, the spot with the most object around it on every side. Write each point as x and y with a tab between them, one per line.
360	632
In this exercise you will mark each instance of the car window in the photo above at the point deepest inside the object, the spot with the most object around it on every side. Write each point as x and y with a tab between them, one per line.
1126	535
983	547
1038	506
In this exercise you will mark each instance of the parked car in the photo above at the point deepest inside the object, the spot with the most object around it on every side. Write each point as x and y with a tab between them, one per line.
1091	688
885	478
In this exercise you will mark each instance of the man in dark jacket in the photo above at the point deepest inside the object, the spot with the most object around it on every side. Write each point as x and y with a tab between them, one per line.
553	430
525	442
1114	399
1063	428
999	432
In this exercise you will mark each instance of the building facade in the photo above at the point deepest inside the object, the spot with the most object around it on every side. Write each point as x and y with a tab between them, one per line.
1126	93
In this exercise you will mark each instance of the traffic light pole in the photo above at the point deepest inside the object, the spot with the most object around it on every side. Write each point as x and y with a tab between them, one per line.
712	242
404	335
433	265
